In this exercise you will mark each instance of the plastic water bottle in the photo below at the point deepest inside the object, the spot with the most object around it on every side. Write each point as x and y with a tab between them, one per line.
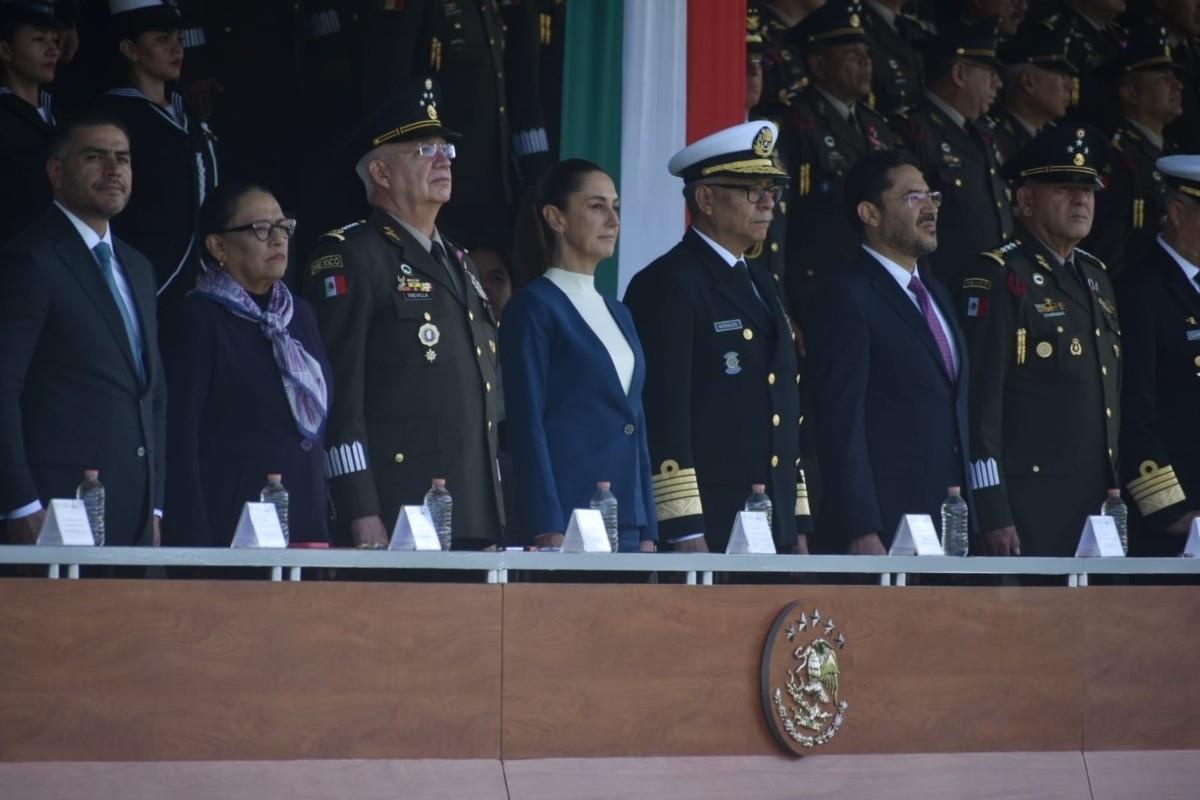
605	502
758	501
955	524
275	494
91	492
1114	507
441	510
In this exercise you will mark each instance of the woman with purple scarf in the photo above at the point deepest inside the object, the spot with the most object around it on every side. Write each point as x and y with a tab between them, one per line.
248	380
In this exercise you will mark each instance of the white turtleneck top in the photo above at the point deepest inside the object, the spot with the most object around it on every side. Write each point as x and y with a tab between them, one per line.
581	290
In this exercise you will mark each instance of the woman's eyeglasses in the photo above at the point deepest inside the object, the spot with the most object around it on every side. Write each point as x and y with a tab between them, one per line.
262	228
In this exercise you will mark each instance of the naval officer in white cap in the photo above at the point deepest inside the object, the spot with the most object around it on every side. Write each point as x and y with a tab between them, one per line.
721	396
1159	303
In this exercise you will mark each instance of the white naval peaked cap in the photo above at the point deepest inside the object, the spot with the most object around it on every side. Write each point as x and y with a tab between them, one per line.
1182	172
741	151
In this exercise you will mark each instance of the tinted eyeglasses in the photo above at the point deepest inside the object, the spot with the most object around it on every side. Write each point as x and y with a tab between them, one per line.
754	194
261	228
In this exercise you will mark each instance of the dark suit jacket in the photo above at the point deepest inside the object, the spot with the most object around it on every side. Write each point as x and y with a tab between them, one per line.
1160	396
891	427
70	395
721	396
570	423
229	425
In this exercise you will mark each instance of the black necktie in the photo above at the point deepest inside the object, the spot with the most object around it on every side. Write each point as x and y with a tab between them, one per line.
744	271
1078	273
439	255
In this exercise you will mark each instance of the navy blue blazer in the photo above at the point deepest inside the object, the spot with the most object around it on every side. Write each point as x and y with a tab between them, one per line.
229	425
570	423
890	425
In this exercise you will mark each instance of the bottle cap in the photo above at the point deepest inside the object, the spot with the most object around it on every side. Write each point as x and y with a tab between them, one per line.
439	483
274	477
758	488
603	485
954	489
91	474
1114	492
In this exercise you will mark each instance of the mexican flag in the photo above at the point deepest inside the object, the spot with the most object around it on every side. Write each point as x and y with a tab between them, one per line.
642	78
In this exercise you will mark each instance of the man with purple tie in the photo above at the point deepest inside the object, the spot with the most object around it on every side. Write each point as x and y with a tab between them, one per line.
888	367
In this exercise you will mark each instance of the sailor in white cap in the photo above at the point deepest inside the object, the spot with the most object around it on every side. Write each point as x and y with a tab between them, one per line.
721	395
1159	302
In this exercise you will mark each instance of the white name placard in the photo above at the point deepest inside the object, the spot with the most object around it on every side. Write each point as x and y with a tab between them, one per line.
751	533
66	523
586	533
258	526
916	536
1100	538
414	530
1191	548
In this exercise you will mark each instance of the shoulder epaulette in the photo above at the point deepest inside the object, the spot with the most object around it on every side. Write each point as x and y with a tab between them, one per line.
340	233
1091	257
998	254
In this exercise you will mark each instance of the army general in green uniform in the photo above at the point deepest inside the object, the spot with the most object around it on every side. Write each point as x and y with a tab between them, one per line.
411	338
1044	342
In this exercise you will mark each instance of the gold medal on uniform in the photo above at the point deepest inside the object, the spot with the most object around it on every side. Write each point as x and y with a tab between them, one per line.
429	336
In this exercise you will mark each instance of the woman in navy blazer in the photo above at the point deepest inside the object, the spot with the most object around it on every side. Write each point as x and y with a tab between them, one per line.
573	370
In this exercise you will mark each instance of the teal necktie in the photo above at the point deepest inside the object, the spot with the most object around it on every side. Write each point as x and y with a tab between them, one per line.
104	254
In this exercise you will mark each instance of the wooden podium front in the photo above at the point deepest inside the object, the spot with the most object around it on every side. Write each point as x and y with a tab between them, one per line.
105	670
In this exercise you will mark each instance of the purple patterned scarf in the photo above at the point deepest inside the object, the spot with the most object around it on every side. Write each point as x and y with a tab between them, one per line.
303	381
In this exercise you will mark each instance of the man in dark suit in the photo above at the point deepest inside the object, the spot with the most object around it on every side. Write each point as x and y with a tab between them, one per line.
1041	324
955	152
81	383
1160	321
721	398
411	338
888	366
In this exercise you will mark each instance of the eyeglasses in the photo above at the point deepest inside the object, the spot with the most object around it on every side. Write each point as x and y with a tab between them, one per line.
754	194
430	150
262	228
918	199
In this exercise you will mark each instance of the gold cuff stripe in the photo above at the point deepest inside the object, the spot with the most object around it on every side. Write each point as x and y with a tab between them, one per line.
802	509
1149	472
1157	501
679	494
670	479
675	509
1156	485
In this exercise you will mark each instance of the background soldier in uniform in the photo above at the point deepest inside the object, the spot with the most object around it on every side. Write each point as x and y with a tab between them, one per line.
897	71
410	337
955	152
1044	344
721	399
1160	315
1038	81
829	129
1129	212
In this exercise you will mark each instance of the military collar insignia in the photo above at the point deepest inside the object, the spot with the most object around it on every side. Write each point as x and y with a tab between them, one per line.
390	233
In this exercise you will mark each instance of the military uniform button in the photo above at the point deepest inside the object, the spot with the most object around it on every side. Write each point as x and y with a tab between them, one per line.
1108	413
1004	236
797	379
398	458
479	352
1110	452
501	109
1103	370
774	461
629	429
487	386
1059	329
489	424
958	182
808	272
775	420
991	170
1036	468
747	334
1097	331
771	378
141	452
428	318
470	315
305	445
492	345
774	247
997	204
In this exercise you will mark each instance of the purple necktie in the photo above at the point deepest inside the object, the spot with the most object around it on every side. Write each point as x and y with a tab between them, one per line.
935	326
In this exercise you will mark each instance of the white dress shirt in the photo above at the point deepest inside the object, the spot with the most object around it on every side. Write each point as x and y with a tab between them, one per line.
904	277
